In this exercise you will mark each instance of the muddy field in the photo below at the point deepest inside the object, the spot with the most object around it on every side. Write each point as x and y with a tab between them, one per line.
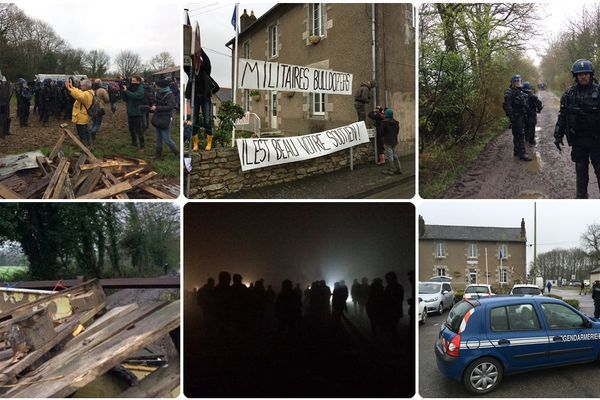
496	174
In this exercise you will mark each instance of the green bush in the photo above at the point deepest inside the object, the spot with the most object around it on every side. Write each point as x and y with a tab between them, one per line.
572	302
458	294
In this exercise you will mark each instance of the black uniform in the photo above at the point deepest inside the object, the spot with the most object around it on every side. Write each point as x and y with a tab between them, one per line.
5	94
515	107
23	103
596	297
534	107
579	121
46	103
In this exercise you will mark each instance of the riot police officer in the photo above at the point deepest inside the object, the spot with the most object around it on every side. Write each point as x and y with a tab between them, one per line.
579	121
596	298
534	107
515	107
23	101
46	104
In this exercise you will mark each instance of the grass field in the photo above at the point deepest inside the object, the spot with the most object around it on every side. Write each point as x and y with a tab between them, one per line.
9	273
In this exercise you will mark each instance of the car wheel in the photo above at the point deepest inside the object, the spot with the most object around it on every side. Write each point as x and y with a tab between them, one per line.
440	309
483	375
424	315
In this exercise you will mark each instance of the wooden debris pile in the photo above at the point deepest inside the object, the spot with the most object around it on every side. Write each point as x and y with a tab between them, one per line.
31	175
56	344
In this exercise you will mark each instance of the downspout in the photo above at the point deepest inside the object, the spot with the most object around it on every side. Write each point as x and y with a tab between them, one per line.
373	71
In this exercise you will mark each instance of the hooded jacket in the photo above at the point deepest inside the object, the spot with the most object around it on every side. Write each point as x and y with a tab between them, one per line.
83	101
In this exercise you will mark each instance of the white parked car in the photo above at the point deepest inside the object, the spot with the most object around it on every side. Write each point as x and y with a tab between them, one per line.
531	290
422	311
437	296
478	290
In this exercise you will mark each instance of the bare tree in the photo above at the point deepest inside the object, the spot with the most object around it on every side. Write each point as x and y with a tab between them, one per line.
96	62
161	61
128	63
591	241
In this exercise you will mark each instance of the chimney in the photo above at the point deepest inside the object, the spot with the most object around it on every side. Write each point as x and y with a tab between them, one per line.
246	20
421	226
523	235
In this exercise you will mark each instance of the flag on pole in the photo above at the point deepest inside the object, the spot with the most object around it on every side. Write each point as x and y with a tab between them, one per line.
234	18
501	253
196	50
187	19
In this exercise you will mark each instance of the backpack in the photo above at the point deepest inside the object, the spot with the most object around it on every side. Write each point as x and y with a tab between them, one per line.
114	92
95	109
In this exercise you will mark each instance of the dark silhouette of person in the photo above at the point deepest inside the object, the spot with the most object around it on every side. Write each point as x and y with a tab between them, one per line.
240	297
363	295
354	293
338	301
222	298
393	296
376	306
298	290
288	309
270	295
206	301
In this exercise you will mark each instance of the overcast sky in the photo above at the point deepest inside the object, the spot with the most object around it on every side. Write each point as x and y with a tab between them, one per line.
146	28
559	223
214	18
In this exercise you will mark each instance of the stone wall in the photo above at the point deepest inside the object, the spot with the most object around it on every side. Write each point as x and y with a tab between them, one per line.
218	172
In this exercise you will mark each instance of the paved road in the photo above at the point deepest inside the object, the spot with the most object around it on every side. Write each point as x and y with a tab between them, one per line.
570	381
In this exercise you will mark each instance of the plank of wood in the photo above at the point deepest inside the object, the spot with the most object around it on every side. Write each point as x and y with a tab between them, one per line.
109	179
91	364
41	161
107	164
143	179
90	183
108	318
132	173
58	189
76	171
158	384
82	146
57	146
155	192
108	192
38	186
54	179
6	193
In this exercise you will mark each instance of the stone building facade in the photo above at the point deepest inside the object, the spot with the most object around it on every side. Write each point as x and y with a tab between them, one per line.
459	252
338	37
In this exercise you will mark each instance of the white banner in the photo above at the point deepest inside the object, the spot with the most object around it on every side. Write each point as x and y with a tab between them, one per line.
264	75
264	152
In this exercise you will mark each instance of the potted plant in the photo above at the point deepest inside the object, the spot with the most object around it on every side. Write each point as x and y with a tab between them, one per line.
314	39
255	94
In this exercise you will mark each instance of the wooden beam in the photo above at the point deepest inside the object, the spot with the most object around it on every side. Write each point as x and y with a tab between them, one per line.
55	177
132	173
108	192
107	164
57	146
88	365
155	192
41	161
158	384
32	190
90	183
6	193
143	179
64	176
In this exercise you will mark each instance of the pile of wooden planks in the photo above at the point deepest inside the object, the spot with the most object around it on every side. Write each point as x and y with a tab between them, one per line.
31	175
53	349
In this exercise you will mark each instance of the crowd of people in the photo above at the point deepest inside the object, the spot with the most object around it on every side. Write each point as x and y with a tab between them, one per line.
84	102
231	306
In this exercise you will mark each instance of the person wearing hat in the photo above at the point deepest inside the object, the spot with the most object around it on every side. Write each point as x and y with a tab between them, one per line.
390	128
164	106
23	101
515	107
362	97
579	121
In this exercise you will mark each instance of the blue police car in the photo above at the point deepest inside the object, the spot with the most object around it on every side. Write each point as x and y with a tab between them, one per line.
485	339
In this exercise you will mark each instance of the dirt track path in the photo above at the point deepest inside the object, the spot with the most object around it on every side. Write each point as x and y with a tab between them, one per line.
496	174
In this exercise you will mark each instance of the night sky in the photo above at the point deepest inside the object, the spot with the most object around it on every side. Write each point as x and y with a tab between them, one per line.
298	241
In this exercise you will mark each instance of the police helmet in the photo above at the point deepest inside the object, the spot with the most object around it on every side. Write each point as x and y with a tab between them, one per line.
526	85
582	66
515	78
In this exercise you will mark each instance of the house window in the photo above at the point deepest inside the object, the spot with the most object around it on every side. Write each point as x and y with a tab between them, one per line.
502	252
472	276
503	275
472	253
316	19
440	250
273	41
318	104
246	49
441	271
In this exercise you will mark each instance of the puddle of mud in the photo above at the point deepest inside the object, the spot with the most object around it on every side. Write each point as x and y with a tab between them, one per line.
530	194
534	166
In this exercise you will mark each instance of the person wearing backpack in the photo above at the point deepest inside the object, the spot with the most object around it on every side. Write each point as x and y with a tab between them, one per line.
84	99
134	97
165	104
102	96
